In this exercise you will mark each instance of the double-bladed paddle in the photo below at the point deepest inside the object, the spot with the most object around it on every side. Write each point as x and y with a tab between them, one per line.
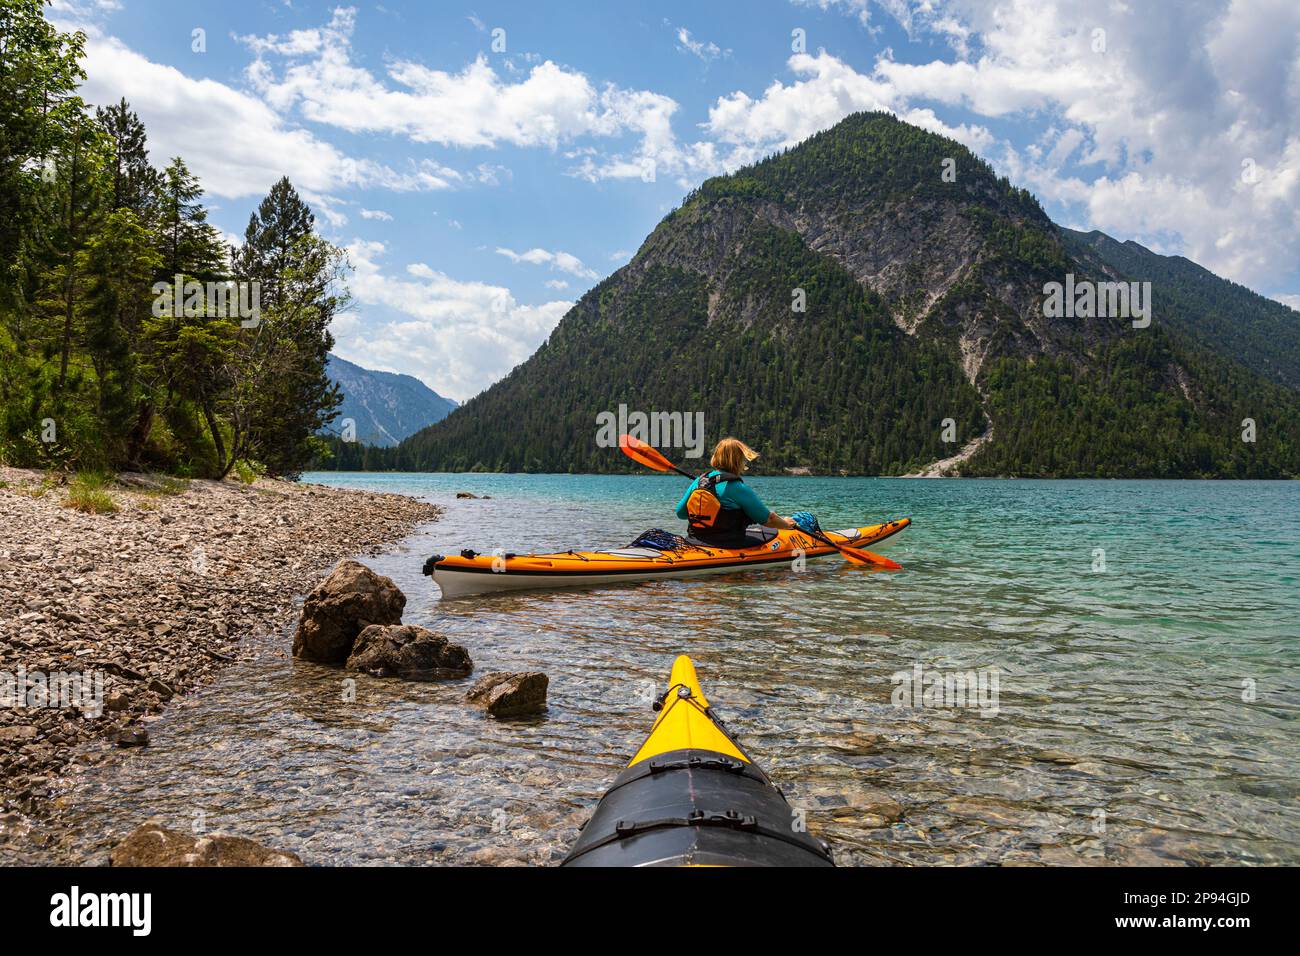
652	458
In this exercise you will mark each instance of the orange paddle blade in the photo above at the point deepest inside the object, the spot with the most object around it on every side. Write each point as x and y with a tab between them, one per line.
645	454
860	556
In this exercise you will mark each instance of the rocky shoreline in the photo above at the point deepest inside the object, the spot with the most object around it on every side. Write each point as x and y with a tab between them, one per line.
131	608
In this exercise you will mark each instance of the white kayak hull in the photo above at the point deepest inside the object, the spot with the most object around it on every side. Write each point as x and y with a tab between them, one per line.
455	583
474	573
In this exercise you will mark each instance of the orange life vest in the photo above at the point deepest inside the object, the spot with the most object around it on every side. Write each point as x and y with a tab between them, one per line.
706	515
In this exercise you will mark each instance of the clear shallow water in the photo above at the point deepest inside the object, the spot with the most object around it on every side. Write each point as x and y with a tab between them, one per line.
1120	692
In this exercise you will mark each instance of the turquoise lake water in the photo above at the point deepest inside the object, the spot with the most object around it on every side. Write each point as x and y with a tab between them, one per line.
1145	638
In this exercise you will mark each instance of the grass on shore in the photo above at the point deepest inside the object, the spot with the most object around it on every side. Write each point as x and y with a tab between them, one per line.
34	489
167	485
87	492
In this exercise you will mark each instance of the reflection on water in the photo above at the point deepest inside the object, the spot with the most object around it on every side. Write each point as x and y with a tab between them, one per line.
1121	736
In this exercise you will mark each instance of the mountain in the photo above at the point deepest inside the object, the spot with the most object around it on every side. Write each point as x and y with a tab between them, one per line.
925	335
385	406
1221	315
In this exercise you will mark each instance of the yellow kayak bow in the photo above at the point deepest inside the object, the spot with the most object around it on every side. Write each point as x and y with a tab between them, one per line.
691	796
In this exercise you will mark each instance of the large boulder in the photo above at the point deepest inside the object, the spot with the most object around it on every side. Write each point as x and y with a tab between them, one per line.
504	694
409	652
152	844
343	605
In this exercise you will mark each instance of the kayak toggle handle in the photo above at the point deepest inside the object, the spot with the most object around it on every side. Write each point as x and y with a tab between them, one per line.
732	819
696	762
683	692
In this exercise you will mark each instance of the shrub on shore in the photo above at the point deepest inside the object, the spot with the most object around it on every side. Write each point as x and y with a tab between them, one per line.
247	471
88	493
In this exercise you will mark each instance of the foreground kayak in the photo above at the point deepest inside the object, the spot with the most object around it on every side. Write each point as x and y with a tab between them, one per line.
471	573
692	797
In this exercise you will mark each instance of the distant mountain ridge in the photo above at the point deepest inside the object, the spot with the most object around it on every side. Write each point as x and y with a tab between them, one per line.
924	331
386	406
1257	331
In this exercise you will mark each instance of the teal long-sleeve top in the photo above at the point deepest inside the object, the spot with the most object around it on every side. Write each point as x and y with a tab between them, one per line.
736	495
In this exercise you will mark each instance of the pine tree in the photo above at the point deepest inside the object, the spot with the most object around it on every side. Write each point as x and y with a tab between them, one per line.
283	395
135	182
277	251
73	209
191	247
119	263
39	111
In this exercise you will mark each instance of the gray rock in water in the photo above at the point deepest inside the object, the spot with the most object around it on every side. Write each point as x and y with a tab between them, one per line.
134	736
154	845
409	652
506	694
339	608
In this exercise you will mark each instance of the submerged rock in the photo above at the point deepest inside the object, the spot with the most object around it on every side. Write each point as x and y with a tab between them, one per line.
133	736
506	694
152	844
339	608
409	652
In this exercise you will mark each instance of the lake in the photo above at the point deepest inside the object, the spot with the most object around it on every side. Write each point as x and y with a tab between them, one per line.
1142	639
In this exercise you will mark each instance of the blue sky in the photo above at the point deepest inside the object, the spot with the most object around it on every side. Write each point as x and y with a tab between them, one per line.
480	190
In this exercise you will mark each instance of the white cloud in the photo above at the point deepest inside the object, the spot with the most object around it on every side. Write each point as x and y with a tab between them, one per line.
858	8
828	89
457	336
376	214
706	50
311	72
557	284
1291	299
472	107
234	142
562	261
80	14
1154	124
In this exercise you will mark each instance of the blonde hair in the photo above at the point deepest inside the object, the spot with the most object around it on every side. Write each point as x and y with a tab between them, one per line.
733	455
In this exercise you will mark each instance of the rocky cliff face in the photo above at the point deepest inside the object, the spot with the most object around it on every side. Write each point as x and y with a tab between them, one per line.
922	278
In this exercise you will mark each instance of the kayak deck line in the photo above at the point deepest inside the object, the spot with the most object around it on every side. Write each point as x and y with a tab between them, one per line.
691	796
474	573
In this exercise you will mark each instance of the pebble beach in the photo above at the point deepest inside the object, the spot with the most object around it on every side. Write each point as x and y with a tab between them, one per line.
120	612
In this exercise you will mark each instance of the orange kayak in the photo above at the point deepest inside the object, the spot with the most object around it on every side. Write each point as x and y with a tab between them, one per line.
473	573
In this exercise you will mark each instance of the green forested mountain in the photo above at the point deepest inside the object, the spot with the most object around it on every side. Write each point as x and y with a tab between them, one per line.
923	277
130	334
1228	318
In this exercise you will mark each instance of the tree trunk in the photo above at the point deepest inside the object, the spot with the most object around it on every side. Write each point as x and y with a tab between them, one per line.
140	433
69	281
217	440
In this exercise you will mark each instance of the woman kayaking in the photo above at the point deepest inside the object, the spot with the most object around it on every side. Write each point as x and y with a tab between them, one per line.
719	506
